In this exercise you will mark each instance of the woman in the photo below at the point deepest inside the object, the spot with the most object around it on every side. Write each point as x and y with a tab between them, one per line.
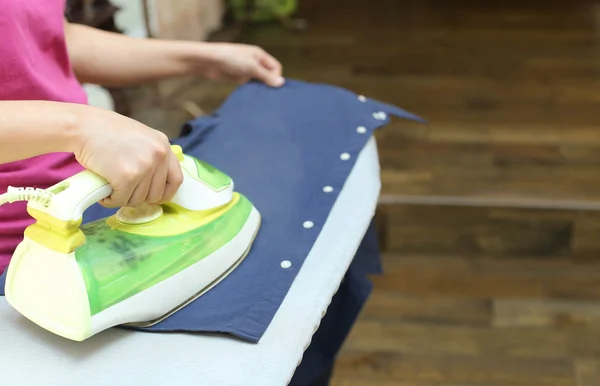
47	130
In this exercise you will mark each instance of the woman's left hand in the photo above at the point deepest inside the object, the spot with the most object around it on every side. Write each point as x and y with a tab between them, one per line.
241	63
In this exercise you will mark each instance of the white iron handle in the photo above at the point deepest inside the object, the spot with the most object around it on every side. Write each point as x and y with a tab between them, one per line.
74	195
77	193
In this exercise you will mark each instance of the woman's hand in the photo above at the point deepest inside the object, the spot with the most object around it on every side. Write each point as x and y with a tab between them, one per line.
112	59
137	161
239	63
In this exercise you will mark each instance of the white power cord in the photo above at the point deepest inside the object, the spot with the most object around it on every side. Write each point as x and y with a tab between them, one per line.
26	194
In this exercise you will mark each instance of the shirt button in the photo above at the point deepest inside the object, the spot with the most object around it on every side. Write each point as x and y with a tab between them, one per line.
380	116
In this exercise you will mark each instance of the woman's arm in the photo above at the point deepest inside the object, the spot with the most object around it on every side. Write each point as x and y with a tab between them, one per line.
24	134
112	59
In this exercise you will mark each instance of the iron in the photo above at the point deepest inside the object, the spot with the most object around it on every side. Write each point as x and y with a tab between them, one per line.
134	268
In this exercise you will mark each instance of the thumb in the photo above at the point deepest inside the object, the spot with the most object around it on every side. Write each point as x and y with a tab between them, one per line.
268	77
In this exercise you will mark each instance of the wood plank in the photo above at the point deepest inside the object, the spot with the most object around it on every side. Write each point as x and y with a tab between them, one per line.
471	231
545	313
496	184
355	382
406	154
586	242
489	278
457	128
512	342
487	202
390	306
587	371
512	227
389	367
532	15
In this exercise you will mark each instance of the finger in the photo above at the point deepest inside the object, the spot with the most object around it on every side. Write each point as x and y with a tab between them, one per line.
271	63
264	75
106	203
123	190
119	197
140	192
159	181
274	66
174	179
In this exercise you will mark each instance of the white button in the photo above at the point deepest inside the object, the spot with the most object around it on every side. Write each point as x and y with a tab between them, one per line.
308	224
361	129
362	98
286	264
328	189
380	116
344	156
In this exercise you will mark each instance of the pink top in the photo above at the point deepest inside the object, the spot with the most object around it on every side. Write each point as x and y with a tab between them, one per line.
34	65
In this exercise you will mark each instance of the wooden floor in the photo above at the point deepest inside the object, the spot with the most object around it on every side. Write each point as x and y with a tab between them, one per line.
489	217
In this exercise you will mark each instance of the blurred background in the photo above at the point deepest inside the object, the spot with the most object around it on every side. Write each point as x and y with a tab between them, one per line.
488	218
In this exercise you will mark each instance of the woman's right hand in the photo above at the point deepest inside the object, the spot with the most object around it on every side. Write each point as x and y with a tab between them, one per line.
136	160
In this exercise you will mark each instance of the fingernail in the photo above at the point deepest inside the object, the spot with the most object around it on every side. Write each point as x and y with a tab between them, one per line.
279	81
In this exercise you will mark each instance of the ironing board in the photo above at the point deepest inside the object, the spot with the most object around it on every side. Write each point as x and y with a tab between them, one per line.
124	357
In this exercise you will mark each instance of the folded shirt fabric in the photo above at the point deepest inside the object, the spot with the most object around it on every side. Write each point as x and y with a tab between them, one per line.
290	151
